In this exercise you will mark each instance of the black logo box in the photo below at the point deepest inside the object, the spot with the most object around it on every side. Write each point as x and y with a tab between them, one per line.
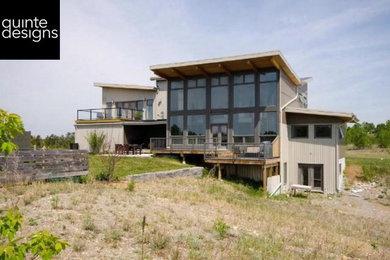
27	49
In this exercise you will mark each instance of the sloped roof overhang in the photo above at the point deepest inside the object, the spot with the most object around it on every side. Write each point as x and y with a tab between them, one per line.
226	65
344	116
124	86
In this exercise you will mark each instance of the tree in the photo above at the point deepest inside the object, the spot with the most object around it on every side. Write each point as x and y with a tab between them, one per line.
369	127
11	125
358	136
383	135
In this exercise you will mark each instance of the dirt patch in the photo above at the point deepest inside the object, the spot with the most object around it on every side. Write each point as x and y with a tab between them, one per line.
353	173
103	221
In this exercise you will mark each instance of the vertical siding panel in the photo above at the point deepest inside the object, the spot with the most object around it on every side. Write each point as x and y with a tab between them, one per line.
313	151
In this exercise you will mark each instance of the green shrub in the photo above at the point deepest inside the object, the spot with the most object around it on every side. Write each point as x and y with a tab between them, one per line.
131	185
11	125
40	243
101	176
221	227
80	179
95	141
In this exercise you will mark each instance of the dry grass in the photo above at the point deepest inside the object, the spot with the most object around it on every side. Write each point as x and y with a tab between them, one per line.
103	221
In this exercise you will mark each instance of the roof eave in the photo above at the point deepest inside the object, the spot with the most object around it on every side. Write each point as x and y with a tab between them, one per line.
276	57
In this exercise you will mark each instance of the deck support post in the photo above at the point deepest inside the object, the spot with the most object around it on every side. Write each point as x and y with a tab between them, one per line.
219	172
183	159
264	180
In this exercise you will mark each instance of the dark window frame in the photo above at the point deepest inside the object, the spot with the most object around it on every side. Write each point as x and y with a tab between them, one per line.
323	137
299	137
310	168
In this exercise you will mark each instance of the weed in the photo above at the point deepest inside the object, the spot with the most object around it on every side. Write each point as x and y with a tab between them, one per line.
221	227
55	202
193	243
112	235
280	197
373	245
131	185
88	224
159	241
32	222
78	245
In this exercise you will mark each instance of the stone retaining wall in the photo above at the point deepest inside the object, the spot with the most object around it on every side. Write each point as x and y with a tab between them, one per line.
195	171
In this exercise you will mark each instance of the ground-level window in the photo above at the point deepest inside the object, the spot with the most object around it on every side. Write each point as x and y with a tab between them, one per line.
300	131
323	131
311	175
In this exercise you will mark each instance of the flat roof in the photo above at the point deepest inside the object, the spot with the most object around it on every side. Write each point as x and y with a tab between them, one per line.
348	117
124	86
255	61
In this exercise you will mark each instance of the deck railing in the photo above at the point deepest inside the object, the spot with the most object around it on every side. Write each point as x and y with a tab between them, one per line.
178	143
214	149
109	113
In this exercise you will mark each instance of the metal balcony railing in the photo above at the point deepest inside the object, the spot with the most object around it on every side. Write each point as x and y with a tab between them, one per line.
215	149
109	113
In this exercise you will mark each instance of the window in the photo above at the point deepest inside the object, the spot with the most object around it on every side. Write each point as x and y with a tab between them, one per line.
176	125
196	94
323	131
268	88
219	97
243	127
268	126
311	175
268	93
149	109
300	131
140	105
196	98
244	90
176	95
219	92
268	76
219	80
196	124
218	119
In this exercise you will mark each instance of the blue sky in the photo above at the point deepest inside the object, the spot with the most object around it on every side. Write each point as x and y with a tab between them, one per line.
343	45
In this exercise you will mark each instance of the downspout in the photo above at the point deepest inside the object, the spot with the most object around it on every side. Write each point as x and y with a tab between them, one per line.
292	100
280	127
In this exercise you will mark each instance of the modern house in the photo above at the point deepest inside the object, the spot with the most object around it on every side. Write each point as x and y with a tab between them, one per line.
247	115
129	114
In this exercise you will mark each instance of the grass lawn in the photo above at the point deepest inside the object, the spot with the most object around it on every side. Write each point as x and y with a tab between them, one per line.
375	164
132	165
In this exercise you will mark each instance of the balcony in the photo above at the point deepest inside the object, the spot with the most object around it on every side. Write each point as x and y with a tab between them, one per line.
98	114
217	151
